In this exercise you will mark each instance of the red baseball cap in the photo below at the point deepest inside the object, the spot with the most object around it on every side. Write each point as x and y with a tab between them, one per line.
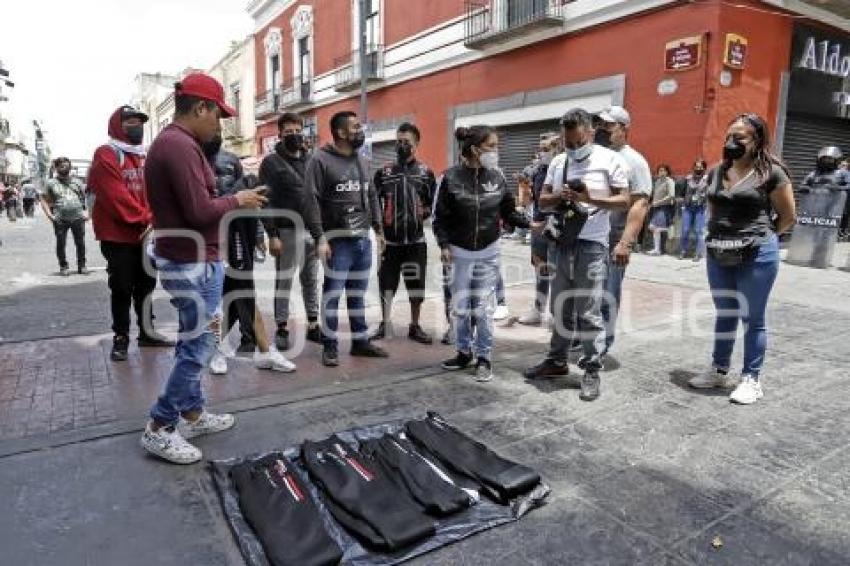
206	87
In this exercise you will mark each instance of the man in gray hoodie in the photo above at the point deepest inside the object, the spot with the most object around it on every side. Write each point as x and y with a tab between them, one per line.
345	207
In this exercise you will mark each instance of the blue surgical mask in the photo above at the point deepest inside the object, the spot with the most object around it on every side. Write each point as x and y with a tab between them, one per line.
581	153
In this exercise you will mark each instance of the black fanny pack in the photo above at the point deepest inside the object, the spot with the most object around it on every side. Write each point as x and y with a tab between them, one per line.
730	251
564	226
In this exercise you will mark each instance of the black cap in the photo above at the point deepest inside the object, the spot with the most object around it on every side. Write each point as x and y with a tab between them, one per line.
128	112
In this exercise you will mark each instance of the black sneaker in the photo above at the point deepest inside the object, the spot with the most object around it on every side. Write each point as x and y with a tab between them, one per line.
154	341
246	350
589	386
483	370
380	332
416	334
314	333
281	339
120	343
460	361
367	350
330	355
547	369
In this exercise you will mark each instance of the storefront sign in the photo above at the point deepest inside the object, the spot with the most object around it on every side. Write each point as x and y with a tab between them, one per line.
820	67
829	57
683	54
735	54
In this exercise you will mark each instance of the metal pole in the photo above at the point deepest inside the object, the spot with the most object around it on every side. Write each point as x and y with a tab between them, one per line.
364	109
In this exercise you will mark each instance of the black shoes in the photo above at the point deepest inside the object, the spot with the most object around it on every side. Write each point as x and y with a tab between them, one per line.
281	338
380	332
416	334
154	341
367	350
314	333
547	369
330	356
120	343
589	386
461	361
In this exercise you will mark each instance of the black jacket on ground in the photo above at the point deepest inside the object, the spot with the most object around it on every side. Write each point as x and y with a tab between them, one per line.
284	176
406	194
470	203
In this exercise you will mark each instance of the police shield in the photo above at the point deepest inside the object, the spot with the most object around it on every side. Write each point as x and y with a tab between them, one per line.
818	218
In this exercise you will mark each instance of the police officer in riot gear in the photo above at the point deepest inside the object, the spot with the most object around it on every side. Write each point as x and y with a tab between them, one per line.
828	174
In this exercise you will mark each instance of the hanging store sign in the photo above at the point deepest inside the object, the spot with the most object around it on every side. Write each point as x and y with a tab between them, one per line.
735	54
825	56
683	54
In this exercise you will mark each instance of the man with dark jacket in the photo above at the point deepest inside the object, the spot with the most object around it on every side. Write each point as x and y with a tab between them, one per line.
339	217
291	246
405	191
121	219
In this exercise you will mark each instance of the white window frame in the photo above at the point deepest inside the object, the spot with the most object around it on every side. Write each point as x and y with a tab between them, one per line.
355	24
273	44
302	26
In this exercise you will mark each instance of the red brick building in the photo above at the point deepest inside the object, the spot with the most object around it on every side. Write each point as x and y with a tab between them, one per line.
682	68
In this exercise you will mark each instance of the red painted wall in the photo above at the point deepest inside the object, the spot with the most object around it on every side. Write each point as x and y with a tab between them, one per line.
404	18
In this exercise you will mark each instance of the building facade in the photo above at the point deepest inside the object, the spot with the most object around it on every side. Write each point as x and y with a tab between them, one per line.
683	70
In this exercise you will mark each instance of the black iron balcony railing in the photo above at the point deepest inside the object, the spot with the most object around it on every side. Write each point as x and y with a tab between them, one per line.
297	95
496	21
267	103
347	75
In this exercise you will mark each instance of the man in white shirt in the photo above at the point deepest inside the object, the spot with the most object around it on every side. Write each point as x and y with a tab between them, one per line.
592	179
612	132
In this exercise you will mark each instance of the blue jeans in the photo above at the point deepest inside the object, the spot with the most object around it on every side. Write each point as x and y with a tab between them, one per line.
611	303
473	288
693	218
741	293
348	270
195	290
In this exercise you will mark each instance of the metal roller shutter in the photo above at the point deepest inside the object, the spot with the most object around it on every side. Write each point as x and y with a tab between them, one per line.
806	135
518	143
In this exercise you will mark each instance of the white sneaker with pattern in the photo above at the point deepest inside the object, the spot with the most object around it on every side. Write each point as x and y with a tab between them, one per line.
748	392
207	423
218	363
169	445
274	361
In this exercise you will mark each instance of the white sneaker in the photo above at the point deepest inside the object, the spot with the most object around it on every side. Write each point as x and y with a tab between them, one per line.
531	318
501	312
169	445
274	361
207	423
712	378
748	392
218	364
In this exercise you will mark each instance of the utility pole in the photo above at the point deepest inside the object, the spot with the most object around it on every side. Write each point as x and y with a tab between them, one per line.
364	108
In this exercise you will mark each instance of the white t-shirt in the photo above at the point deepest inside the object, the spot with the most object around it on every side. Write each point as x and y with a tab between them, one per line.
640	183
602	171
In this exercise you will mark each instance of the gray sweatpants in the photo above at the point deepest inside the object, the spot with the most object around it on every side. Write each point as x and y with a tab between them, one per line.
577	294
299	252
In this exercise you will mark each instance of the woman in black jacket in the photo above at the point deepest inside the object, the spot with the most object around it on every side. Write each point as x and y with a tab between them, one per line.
473	197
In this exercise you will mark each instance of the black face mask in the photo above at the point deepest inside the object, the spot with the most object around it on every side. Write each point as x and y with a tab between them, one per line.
357	140
699	173
212	147
734	150
404	151
135	134
827	165
293	142
602	137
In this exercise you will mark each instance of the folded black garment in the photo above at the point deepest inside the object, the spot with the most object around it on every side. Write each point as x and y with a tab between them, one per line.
363	499
435	492
500	479
284	517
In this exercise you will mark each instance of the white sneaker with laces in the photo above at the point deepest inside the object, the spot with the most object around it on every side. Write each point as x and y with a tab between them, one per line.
274	361
501	312
169	445
207	423
531	318
748	392
218	364
712	378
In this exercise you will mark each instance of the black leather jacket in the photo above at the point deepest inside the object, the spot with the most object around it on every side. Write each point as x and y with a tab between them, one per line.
406	194
470	203
284	176
228	170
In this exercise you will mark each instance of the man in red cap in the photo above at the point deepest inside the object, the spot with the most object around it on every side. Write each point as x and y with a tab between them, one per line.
187	219
121	219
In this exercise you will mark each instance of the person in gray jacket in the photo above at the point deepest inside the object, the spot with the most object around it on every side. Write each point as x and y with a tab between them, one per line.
345	207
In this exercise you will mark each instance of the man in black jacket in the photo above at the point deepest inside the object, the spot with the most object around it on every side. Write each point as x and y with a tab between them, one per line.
293	248
339	218
405	191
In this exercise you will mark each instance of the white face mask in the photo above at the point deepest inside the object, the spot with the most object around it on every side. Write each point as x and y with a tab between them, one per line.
489	160
580	153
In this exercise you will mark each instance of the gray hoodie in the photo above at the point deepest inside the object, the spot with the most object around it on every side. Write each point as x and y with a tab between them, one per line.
345	201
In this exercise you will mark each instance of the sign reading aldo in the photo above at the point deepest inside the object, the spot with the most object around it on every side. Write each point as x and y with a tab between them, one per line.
826	56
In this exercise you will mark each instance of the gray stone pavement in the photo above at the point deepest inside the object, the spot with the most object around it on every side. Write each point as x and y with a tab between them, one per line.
651	473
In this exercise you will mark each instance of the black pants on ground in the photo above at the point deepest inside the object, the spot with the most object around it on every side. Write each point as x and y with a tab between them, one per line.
500	479
78	230
363	499
29	207
239	303
129	285
278	506
408	261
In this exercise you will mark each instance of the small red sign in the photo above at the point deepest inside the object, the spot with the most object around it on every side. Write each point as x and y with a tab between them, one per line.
683	54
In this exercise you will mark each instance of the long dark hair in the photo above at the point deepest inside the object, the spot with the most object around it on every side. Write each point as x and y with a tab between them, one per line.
763	157
473	136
